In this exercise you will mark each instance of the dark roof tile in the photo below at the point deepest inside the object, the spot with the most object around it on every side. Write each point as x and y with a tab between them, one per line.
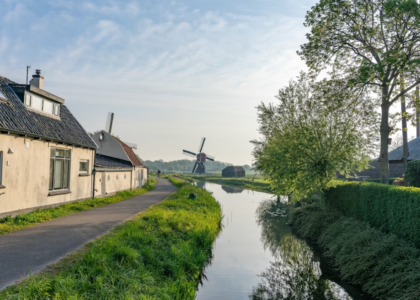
110	162
15	117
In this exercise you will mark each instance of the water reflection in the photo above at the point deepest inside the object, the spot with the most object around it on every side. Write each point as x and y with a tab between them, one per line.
256	256
231	190
295	273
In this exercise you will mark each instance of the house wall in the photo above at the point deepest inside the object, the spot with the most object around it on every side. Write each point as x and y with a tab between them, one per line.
26	175
395	170
107	183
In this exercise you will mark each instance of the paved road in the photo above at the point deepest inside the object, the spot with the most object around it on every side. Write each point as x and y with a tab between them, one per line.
32	249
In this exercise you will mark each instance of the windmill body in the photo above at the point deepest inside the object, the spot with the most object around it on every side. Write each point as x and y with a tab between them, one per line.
201	157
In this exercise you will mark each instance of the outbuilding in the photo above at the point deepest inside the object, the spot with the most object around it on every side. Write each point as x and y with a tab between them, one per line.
233	172
117	166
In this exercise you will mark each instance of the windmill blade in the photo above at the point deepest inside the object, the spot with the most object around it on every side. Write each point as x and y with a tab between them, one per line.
209	157
200	148
189	153
195	166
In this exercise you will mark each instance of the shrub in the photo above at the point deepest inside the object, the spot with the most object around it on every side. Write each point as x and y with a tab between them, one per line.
385	266
413	173
392	209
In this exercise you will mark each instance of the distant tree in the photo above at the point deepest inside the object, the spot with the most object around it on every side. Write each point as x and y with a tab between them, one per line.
314	131
372	43
397	141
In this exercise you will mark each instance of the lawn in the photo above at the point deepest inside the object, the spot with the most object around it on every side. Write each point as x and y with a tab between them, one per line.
10	224
159	254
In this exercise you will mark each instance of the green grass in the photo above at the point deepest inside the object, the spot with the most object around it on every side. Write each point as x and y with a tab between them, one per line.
159	254
10	224
244	183
385	266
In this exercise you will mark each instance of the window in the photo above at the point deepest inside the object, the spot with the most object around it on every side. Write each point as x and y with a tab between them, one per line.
1	168
27	99
43	105
36	103
59	169
84	167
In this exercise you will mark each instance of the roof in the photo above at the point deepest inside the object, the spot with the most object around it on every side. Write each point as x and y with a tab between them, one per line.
234	169
16	118
110	162
413	151
130	153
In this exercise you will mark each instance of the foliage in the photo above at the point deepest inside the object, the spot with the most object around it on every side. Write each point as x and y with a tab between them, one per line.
384	265
317	129
370	43
157	255
392	209
10	224
412	175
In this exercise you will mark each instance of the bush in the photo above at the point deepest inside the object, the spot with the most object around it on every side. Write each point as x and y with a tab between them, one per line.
413	173
392	209
385	266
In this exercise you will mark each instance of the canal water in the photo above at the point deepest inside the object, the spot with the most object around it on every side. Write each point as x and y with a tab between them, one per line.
256	256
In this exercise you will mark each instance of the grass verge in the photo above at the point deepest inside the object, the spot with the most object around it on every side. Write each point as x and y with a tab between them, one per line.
10	224
385	266
244	183
159	254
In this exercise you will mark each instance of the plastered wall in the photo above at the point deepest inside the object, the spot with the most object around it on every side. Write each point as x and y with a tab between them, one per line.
109	182
26	174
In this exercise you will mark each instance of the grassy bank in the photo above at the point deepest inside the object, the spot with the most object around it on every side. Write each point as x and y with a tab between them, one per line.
384	265
159	254
242	183
9	224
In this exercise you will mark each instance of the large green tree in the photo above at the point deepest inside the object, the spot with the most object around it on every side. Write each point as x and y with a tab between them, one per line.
372	43
316	129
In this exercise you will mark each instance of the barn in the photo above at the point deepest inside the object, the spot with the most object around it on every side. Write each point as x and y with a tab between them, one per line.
233	172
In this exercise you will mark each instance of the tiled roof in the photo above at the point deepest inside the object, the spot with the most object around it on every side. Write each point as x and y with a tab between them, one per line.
110	162
413	151
130	153
15	117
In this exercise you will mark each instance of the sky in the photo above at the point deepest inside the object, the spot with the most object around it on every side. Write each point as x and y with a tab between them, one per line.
171	71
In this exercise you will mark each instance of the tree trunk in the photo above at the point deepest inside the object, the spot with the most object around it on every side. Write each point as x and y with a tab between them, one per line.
384	130
404	128
417	112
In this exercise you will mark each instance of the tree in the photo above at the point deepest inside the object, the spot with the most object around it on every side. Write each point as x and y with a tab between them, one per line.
372	43
316	130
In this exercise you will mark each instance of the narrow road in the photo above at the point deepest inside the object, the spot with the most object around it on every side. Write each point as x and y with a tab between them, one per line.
32	249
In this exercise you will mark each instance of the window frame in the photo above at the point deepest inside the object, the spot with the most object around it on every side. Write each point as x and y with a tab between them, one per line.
28	101
87	172
1	169
53	163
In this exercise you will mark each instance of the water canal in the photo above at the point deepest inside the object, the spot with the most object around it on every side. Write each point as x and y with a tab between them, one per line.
256	256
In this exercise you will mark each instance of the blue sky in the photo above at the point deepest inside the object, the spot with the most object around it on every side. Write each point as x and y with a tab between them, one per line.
171	71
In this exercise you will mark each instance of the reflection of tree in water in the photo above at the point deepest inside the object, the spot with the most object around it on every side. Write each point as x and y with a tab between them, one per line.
294	275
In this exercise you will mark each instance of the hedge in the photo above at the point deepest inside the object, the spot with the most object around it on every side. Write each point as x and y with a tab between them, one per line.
412	175
392	209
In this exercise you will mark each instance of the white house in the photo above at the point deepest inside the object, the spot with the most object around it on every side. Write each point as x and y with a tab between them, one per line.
46	157
117	166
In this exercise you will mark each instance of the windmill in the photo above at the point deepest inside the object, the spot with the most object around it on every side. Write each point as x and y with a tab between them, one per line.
201	158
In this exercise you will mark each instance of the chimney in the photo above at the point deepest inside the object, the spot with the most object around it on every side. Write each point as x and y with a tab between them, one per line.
37	80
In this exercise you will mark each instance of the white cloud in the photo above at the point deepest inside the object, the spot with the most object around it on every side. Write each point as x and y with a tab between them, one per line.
182	69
